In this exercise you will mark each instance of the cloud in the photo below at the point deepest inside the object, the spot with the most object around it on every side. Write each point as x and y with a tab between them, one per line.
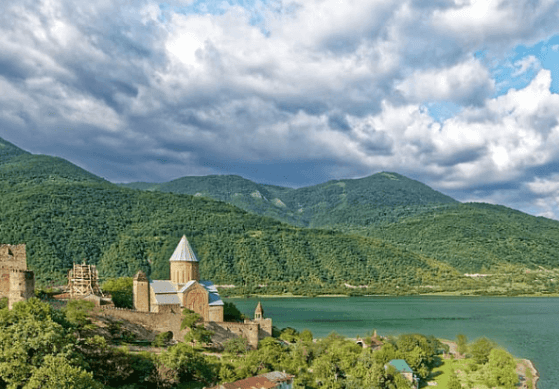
525	64
137	91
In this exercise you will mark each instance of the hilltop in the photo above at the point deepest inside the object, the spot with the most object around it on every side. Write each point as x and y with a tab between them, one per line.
380	197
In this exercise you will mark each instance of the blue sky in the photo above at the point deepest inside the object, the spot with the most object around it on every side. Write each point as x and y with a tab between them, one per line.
461	95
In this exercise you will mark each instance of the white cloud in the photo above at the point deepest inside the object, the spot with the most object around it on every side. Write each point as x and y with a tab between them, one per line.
525	64
321	80
464	83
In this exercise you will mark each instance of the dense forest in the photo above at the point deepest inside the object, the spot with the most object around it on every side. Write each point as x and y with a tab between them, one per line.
370	200
393	234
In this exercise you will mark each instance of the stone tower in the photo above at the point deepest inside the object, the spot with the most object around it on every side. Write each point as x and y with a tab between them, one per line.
141	292
22	286
264	325
184	264
259	312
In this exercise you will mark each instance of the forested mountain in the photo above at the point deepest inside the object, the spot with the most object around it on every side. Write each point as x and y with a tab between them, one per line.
8	151
385	230
475	236
65	214
378	198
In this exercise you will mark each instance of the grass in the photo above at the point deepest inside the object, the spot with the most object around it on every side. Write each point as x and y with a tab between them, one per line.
441	374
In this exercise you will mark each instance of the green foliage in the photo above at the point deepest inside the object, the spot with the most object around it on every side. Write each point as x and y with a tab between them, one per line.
57	373
77	313
481	349
3	302
183	364
121	291
289	334
462	344
232	313
190	318
162	339
236	346
501	369
393	234
454	382
365	201
306	335
30	334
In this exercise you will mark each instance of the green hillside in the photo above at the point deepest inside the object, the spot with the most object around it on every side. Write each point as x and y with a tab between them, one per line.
65	214
387	231
8	151
379	198
474	237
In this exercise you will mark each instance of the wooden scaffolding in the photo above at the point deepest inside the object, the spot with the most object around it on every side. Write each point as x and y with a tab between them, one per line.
83	280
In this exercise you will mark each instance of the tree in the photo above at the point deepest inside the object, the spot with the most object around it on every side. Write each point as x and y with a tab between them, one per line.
77	313
121	290
480	350
29	332
185	364
57	373
236	346
501	369
232	313
196	333
461	344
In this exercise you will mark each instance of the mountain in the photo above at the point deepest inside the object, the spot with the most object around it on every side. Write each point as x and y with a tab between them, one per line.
385	230
19	167
370	200
65	214
9	151
475	237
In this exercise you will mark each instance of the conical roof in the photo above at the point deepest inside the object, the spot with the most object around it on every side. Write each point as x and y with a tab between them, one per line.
184	252
259	309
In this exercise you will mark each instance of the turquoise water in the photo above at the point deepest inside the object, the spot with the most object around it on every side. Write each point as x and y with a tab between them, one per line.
526	327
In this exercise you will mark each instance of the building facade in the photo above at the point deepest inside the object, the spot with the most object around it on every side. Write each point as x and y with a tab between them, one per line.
184	289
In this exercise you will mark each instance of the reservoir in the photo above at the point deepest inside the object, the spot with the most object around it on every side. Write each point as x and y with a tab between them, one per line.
528	327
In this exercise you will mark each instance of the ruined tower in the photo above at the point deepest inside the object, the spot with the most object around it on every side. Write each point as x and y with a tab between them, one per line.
141	292
22	286
184	264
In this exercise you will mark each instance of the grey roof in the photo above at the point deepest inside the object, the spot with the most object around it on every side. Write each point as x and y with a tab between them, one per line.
186	286
167	299
214	299
162	286
210	287
184	252
165	292
277	376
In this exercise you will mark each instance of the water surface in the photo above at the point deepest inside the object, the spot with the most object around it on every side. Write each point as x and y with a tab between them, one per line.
526	327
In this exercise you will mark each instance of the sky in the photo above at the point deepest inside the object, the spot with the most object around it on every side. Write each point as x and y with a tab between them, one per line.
461	95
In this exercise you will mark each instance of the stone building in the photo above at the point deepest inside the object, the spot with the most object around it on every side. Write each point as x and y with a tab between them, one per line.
183	290
16	282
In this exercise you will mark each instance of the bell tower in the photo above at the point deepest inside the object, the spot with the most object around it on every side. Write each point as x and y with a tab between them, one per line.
183	264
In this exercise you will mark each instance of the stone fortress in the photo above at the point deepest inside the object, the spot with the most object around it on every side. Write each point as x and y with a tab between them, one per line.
16	282
158	304
183	290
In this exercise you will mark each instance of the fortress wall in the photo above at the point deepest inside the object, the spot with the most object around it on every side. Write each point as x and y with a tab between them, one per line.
249	331
159	322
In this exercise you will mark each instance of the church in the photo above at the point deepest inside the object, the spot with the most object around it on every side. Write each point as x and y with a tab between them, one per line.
183	290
